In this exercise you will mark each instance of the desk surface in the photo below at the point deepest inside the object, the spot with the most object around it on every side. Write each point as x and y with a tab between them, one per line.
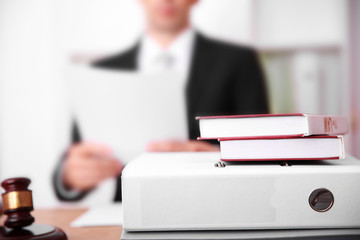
63	217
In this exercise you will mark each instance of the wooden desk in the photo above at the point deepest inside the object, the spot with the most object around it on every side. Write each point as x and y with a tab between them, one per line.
63	217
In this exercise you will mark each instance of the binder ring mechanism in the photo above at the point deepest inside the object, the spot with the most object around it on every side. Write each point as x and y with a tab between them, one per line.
220	164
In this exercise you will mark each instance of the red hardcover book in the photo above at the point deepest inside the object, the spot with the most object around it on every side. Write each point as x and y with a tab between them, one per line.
282	148
295	125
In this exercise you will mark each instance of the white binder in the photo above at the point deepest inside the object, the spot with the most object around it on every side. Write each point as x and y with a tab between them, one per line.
189	191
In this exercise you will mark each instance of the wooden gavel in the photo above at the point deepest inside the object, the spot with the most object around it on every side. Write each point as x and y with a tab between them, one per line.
17	202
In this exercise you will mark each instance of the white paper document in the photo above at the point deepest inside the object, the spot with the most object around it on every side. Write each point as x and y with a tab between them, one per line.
106	215
126	111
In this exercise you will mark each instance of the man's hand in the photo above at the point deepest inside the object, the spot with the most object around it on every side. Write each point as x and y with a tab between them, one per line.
87	164
179	146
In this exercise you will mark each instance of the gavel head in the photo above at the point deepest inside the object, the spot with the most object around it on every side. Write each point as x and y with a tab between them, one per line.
17	202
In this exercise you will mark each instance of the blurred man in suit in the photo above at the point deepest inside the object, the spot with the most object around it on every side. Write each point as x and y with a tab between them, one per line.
221	79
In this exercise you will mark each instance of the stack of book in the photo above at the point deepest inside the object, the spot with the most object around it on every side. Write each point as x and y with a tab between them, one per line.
276	137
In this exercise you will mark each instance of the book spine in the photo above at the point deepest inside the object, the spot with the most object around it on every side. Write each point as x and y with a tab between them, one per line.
327	125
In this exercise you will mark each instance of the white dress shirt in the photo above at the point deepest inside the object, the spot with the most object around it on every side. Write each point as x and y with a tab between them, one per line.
153	58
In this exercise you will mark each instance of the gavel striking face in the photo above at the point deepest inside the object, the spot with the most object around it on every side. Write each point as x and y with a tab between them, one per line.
17	202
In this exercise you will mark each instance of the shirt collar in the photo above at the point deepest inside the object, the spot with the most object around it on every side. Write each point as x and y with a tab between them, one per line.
180	49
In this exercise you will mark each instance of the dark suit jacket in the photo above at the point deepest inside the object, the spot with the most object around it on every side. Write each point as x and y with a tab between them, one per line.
224	79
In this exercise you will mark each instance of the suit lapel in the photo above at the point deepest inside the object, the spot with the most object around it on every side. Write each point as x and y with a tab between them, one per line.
123	61
202	66
130	58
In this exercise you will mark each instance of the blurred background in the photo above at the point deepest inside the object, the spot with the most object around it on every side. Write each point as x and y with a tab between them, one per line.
309	50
